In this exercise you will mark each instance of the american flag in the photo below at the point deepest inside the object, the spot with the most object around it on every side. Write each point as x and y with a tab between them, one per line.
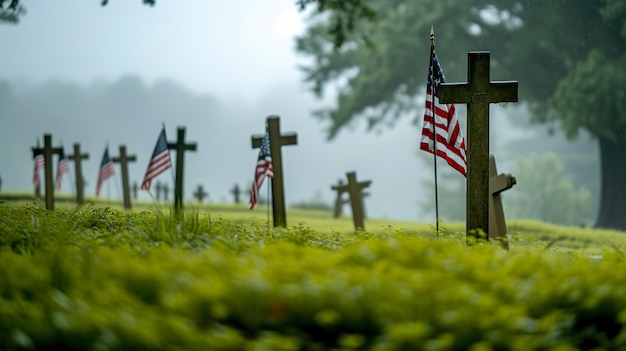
62	168
450	142
263	168
160	161
106	169
39	165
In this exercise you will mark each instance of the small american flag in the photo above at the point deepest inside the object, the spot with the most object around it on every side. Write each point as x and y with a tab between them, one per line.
450	142
106	170
263	168
62	168
39	165
159	162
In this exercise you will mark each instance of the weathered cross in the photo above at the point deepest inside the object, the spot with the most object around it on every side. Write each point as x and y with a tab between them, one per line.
497	184
339	200
166	191
276	142
200	194
135	190
159	188
236	191
180	148
48	151
355	189
478	93
77	157
36	152
123	160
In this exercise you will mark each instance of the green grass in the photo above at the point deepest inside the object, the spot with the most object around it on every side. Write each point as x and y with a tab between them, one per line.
98	278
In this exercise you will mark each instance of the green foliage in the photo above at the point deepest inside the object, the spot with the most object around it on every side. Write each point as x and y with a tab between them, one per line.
102	279
543	192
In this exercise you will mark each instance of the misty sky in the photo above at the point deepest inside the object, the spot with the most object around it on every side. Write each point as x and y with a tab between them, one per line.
239	52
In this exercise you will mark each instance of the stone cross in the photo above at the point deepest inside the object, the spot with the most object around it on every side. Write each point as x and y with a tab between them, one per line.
159	188
48	151
77	157
276	142
135	190
200	194
180	147
123	160
355	189
235	191
497	184
478	93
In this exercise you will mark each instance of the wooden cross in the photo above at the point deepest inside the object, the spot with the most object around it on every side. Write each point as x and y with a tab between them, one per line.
497	184
180	147
48	151
36	152
159	188
123	160
77	157
200	194
135	190
355	189
235	191
339	200
276	142
478	93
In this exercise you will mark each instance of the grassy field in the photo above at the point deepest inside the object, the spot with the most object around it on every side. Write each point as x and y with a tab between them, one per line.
94	277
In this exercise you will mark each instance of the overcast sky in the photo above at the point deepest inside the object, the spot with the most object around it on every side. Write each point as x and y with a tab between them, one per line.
234	50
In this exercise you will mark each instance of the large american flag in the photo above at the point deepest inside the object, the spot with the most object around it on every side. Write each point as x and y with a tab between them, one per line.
159	162
62	167
106	170
39	165
263	168
450	142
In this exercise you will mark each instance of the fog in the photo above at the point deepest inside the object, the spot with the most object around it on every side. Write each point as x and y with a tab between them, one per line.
218	69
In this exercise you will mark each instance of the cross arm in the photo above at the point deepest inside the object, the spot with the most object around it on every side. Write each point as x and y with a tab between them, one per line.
289	138
500	183
257	139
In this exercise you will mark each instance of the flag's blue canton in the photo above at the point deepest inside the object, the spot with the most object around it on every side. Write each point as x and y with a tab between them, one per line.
438	76
105	159
161	144
265	147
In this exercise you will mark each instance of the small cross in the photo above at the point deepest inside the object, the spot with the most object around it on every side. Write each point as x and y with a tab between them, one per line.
339	200
235	191
48	151
497	184
135	190
77	157
123	160
478	93
276	142
180	147
36	152
166	191
159	188
355	189
200	194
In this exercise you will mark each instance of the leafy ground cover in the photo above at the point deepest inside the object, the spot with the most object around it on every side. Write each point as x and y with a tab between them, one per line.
97	278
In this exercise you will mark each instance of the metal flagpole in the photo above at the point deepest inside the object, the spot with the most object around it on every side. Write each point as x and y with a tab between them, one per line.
434	113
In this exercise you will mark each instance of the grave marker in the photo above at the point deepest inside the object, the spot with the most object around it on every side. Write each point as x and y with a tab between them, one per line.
135	190
37	152
339	200
200	194
166	191
158	188
180	147
276	142
48	151
123	160
478	93
235	191
497	184
355	189
77	157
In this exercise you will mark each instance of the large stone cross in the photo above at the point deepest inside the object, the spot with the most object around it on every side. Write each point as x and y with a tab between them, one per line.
200	194
180	148
78	158
48	151
277	140
355	189
497	184
123	160
478	93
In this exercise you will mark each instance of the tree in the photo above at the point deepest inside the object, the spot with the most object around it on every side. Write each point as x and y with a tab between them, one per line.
566	55
543	192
